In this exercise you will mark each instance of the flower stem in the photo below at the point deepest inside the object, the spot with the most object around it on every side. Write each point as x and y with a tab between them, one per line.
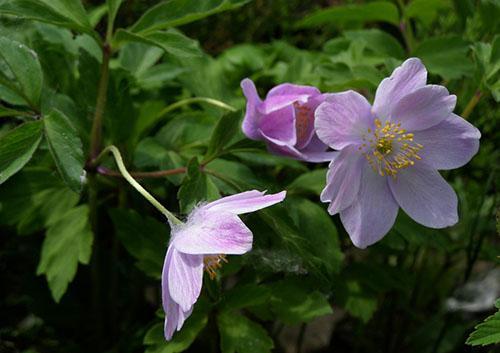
192	100
96	133
471	104
123	170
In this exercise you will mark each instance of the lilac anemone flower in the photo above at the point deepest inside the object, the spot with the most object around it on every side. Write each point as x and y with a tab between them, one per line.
212	231
285	120
389	154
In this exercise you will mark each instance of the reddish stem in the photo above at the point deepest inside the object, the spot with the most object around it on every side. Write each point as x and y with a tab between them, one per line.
142	175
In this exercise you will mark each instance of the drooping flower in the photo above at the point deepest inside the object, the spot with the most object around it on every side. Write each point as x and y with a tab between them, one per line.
211	231
389	154
285	120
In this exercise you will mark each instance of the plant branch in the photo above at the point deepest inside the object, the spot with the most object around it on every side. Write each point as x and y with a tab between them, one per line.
123	170
471	104
142	175
192	100
96	133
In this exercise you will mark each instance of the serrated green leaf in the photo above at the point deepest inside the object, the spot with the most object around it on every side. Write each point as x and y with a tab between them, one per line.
65	147
223	133
487	332
68	242
244	296
196	187
173	13
446	56
241	335
293	302
172	41
338	15
145	238
17	146
155	340
379	41
426	10
20	71
66	13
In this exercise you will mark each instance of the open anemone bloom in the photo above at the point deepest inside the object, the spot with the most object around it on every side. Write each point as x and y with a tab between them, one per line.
285	120
211	231
389	154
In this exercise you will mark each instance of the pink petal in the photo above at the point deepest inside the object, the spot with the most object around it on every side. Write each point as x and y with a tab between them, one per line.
214	232
174	315
342	119
450	144
343	180
245	202
250	124
185	276
425	196
404	80
279	126
425	107
288	89
311	153
373	212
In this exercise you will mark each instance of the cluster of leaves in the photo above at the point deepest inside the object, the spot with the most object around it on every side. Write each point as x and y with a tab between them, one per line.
62	66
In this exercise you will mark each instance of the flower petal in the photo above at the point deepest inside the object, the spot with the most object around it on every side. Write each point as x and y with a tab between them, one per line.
185	276
214	232
450	144
373	212
343	180
174	315
250	124
425	196
342	119
279	126
425	107
286	94
245	202
404	80
315	152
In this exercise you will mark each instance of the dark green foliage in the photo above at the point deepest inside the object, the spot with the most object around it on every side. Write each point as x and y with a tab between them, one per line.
74	232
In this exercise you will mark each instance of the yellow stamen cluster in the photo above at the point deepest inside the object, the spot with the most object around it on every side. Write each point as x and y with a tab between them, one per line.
302	120
390	148
212	263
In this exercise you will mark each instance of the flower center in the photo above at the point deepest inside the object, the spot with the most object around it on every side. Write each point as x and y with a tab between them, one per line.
212	263
302	120
389	148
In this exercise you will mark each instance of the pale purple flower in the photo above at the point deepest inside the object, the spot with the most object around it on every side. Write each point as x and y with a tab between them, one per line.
389	154
211	231
285	120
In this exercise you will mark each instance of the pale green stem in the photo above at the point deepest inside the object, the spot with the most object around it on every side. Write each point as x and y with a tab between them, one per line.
123	170
188	101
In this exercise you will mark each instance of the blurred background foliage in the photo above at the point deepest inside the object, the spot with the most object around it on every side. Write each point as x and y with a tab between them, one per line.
304	287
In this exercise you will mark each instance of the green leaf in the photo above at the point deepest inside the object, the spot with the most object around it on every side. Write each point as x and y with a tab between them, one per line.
172	41
487	332
369	12
241	335
66	13
17	146
379	41
65	147
244	296
226	128
446	56
173	13
426	10
313	182
184	338
113	6
145	238
20	71
293	302
68	241
196	187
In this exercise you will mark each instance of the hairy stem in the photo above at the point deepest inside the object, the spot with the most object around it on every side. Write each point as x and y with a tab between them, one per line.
123	170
